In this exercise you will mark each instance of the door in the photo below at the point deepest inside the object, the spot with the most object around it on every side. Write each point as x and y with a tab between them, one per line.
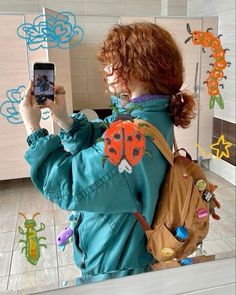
15	74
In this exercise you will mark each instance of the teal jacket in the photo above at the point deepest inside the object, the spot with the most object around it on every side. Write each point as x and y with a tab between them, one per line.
67	169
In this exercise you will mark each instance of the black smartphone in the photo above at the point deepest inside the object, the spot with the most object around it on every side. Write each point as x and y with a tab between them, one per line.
44	81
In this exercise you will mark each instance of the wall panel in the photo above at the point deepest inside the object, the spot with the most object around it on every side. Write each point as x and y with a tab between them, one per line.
14	72
88	85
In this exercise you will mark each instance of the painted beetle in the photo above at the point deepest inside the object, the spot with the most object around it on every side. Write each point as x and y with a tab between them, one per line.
32	246
124	142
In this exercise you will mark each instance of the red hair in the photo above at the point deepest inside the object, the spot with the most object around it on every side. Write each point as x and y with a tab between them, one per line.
147	53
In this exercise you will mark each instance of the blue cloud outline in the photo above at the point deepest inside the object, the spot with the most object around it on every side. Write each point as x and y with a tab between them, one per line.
9	107
10	112
54	30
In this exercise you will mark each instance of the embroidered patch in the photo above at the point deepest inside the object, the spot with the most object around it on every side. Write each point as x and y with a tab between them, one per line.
124	142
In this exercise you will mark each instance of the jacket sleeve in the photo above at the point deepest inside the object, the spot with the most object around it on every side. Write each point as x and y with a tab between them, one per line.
83	133
79	181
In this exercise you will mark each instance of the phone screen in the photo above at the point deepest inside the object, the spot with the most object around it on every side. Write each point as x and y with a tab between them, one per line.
43	82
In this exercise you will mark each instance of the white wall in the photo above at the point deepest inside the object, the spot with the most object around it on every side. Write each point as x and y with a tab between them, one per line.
86	7
173	7
101	7
177	7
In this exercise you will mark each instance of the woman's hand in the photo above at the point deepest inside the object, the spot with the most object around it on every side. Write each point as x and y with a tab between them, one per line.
58	109
29	110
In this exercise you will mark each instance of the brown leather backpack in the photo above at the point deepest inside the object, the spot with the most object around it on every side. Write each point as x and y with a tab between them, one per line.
186	200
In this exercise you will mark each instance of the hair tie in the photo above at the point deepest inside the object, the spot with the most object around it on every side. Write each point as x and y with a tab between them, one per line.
180	93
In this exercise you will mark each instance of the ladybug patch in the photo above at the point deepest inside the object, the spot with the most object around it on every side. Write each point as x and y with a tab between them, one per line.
124	145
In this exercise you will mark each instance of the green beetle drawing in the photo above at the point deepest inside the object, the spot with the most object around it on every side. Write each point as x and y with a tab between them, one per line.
32	245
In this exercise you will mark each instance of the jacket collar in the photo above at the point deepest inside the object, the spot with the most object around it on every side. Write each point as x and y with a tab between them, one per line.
152	102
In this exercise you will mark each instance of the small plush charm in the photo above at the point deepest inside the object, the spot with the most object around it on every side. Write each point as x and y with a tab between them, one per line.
214	203
66	236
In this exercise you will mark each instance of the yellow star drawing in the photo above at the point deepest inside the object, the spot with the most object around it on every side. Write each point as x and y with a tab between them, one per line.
222	149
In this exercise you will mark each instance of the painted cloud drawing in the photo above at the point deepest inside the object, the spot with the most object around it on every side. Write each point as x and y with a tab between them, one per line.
49	31
9	108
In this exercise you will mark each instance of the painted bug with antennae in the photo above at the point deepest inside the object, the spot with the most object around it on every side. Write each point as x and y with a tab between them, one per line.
32	245
207	39
124	142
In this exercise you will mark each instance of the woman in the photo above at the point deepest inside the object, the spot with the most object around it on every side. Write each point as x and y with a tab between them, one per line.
143	67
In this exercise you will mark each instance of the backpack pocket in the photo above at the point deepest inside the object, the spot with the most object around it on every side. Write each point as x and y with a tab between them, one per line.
162	244
197	223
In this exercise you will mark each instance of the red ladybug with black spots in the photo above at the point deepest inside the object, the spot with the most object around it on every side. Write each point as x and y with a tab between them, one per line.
124	143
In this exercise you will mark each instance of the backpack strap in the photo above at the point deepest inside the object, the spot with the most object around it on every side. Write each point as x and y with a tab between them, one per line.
157	138
175	143
146	226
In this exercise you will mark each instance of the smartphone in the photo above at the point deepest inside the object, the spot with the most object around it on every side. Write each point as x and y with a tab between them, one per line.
44	81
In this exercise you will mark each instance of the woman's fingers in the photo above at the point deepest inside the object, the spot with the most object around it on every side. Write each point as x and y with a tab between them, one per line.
60	100
60	95
29	87
26	97
49	104
43	106
59	90
34	101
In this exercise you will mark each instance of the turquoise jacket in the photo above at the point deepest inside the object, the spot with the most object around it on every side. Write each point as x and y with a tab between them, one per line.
67	169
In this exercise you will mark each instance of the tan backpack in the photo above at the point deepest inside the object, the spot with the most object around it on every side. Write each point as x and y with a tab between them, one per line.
186	200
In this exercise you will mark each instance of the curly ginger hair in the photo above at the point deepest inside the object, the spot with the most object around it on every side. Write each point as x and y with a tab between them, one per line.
147	53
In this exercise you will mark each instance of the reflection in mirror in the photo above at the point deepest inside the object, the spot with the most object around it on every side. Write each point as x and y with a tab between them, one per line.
56	268
67	211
